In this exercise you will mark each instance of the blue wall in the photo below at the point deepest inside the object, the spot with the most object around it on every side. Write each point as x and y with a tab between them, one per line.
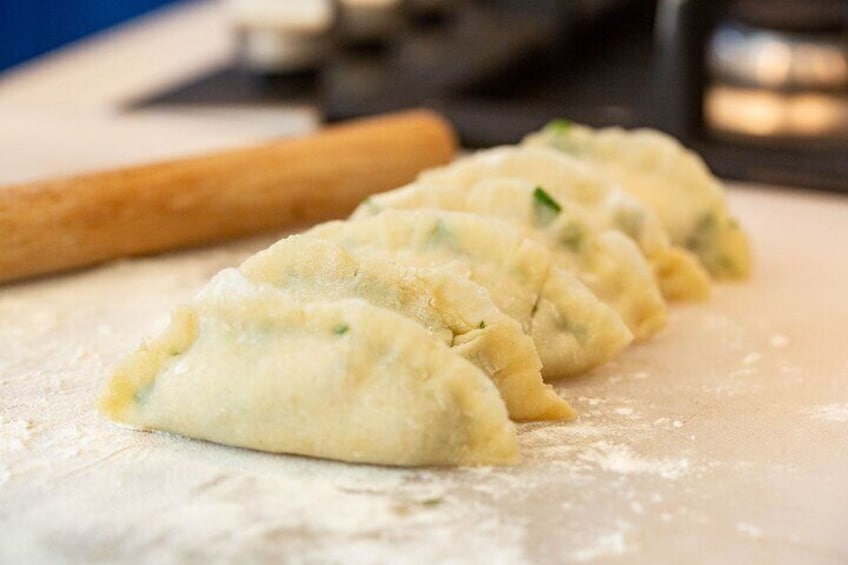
31	27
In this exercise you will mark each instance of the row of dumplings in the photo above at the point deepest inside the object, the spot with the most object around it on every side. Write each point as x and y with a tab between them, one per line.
419	330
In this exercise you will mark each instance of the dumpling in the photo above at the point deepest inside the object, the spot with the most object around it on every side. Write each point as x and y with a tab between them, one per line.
607	262
673	181
589	194
456	311
343	380
573	331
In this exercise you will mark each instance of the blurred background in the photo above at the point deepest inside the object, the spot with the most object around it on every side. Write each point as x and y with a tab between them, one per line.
29	28
759	87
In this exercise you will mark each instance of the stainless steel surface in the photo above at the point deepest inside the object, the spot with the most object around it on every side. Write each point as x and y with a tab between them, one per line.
762	58
767	114
777	84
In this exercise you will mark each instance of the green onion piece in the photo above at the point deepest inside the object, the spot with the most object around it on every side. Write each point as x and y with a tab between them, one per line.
341	329
482	324
545	199
559	126
373	206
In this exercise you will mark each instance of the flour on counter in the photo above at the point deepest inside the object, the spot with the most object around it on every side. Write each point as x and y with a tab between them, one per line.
749	530
778	341
622	459
620	483
14	433
830	412
610	544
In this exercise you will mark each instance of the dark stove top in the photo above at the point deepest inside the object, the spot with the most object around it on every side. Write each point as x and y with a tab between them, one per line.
501	81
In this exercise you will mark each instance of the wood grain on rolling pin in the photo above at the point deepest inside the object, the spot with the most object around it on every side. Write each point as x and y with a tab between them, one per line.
62	224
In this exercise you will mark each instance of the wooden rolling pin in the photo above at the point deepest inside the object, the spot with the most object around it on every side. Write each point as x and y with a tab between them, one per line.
62	224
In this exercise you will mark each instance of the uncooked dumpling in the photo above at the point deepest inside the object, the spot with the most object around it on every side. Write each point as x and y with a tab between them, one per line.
607	262
343	380
456	311
673	181
594	197
573	331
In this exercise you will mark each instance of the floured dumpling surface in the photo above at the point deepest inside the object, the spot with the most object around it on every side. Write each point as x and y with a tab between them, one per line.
591	195
573	331
340	379
456	311
607	262
673	181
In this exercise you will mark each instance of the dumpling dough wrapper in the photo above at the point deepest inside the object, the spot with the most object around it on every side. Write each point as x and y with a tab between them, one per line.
342	380
594	197
572	329
608	262
456	311
673	181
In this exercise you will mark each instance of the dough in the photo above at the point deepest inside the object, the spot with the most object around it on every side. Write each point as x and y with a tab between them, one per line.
673	181
590	195
607	262
343	379
456	311
573	331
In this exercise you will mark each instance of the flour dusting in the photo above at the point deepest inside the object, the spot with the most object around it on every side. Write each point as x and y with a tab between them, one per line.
622	459
749	530
14	433
831	412
622	482
778	341
610	544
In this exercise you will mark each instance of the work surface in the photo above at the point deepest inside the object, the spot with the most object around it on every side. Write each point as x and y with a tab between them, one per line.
725	439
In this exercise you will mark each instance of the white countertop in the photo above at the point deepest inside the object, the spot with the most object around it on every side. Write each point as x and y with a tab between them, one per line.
725	439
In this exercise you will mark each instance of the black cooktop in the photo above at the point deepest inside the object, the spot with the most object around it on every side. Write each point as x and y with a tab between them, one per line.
499	74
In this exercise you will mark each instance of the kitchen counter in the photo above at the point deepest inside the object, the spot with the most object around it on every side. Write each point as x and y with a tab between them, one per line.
725	439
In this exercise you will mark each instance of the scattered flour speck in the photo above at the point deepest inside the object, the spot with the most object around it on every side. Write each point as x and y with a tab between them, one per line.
831	412
592	401
749	529
621	459
744	372
14	434
606	545
779	341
